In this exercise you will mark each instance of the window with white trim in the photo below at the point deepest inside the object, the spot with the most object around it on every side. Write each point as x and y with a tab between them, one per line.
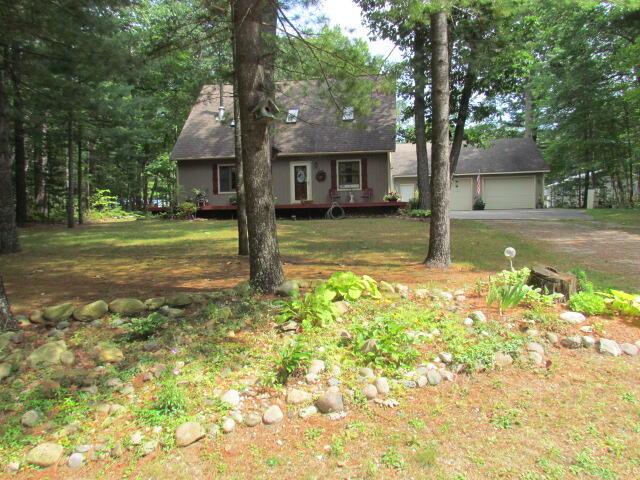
349	175
347	113
226	178
292	115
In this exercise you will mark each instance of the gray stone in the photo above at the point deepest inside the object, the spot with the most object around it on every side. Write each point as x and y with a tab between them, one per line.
237	416
420	293
83	448
502	360
76	460
57	313
63	325
382	386
311	378
478	316
91	311
296	396
179	300
45	454
370	346
536	358
385	287
446	357
532	332
117	451
468	322
290	326
403	290
307	412
231	397
127	306
188	433
341	307
5	370
535	347
228	425
552	337
330	401
422	381
433	377
272	415
370	391
366	373
252	419
48	354
588	341
572	341
572	317
155	303
31	418
148	447
13	467
447	375
609	347
629	349
136	438
333	382
108	353
37	317
67	358
290	288
316	367
409	384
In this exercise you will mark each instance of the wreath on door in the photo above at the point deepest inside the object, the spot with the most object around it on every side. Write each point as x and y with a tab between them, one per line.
321	176
300	176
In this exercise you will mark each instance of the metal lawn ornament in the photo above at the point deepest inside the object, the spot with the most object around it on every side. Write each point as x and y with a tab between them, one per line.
510	253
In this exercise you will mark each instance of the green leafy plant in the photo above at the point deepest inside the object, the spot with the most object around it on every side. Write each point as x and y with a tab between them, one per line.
584	284
509	288
187	209
293	357
315	309
143	328
507	296
418	213
588	303
478	204
391	197
170	402
349	286
622	303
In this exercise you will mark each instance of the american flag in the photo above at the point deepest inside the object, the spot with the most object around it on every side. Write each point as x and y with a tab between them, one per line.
478	185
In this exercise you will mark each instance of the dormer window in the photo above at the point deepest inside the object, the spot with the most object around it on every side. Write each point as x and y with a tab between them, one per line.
292	115
347	114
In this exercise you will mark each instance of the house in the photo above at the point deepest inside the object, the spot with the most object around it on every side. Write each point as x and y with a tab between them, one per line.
508	174
322	154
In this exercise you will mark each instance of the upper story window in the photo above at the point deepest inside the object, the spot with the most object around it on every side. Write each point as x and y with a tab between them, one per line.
226	178
349	175
292	115
347	113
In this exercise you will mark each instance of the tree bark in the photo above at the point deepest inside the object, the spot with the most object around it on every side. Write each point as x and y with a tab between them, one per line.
461	119
439	237
7	320
19	153
80	180
529	127
420	81
70	199
254	25
8	233
40	159
241	201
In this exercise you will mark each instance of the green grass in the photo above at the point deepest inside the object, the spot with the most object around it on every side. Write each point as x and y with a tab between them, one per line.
625	217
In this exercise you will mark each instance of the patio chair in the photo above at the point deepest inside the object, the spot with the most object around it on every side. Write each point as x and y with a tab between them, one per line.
367	194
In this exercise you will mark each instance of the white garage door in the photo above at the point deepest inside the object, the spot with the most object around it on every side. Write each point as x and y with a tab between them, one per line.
461	194
504	193
406	191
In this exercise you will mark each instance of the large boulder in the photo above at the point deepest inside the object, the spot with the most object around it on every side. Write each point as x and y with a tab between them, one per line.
58	313
48	354
127	306
91	311
108	353
179	300
45	454
331	401
155	303
188	433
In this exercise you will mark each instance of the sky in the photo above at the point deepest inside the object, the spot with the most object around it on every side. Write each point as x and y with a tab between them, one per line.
346	15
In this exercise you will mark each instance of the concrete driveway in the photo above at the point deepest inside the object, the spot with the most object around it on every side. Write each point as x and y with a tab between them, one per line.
537	214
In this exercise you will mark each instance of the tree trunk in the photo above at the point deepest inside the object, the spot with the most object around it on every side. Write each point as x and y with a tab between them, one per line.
439	238
254	25
40	170
8	233
19	153
586	189
461	119
70	219
420	81
7	320
241	201
529	125
80	180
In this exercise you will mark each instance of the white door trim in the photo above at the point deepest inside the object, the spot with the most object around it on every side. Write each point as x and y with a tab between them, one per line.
292	183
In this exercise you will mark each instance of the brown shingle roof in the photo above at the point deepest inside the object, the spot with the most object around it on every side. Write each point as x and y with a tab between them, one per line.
319	128
506	155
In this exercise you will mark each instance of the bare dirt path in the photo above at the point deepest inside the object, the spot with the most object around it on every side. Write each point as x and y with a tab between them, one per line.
600	247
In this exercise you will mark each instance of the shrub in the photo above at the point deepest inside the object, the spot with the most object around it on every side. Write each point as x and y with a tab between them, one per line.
143	328
418	213
478	204
583	283
315	309
349	286
587	303
623	303
187	210
414	203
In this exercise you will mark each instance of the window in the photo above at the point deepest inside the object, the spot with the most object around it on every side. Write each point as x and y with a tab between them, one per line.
292	115
347	113
349	175
226	178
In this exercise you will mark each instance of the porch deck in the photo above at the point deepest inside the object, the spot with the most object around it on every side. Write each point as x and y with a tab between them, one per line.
383	206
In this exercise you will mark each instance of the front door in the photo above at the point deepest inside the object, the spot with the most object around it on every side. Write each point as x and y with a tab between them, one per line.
300	182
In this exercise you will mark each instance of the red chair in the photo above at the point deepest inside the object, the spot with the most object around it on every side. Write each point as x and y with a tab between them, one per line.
367	194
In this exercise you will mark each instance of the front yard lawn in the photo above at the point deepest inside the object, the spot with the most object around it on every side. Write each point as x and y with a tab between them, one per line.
624	217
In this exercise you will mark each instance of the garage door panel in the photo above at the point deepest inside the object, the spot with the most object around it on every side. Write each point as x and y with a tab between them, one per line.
461	194
504	193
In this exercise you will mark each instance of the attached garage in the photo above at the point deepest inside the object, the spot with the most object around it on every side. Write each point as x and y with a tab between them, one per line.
505	193
461	194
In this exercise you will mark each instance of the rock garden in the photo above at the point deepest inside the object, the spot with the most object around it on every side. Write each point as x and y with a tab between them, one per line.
122	380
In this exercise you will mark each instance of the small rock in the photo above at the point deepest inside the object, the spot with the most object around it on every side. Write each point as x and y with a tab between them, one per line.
422	381
609	347
382	386
586	329
188	433
127	306
433	377
45	454
420	293
37	317
83	448
316	367
307	412
296	396
252	419
228	425
237	416
386	287
572	317
149	447
536	358
114	382
289	326
272	415
629	349
446	357
311	378
136	438
231	397
330	401
409	384
333	382
460	298
552	337
366	373
588	341
107	353
118	450
535	347
31	418
478	316
502	360
154	303
447	375
13	467
5	370
468	322
572	341
179	300
76	460
403	290
370	391
58	313
63	325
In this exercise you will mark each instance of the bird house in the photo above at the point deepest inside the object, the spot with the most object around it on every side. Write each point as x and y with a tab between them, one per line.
265	110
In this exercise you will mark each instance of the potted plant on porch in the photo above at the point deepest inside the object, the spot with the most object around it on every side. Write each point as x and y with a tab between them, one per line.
392	197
